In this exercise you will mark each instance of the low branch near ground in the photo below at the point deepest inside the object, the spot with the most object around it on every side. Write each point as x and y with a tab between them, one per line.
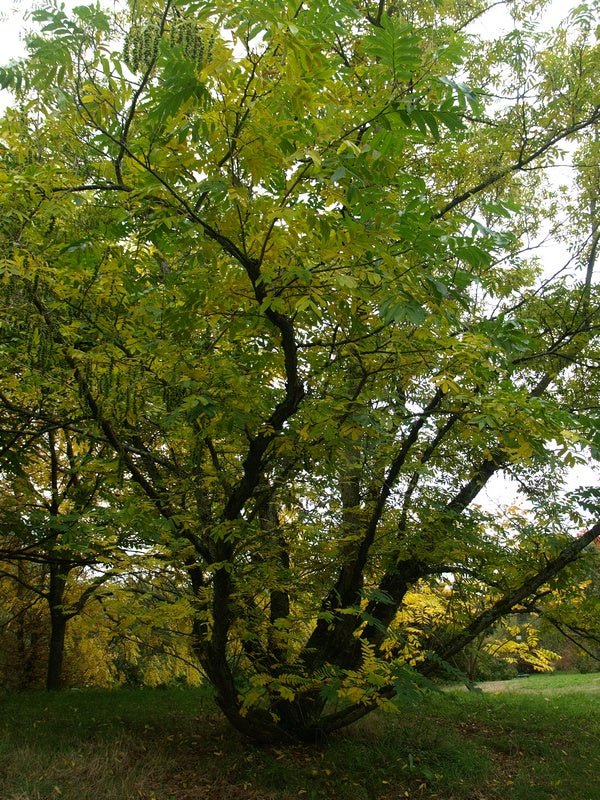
505	604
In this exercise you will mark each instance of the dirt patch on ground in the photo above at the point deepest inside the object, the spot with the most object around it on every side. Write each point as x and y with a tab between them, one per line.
530	686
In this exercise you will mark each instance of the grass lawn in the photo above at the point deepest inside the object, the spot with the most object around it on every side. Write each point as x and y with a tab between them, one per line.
538	740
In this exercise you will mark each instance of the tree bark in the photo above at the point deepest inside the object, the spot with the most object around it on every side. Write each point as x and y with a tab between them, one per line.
58	626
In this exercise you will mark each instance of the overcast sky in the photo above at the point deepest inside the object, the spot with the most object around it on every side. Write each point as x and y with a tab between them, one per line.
13	12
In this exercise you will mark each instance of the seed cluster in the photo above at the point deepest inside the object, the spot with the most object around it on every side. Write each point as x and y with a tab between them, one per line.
141	44
141	47
191	38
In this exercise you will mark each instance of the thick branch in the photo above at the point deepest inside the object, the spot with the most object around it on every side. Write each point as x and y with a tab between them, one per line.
483	622
331	643
519	164
284	410
515	597
567	630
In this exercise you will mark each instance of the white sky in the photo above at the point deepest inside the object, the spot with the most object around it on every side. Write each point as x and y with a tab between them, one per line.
13	12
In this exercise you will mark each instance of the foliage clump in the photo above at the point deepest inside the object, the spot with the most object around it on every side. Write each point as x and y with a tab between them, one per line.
274	316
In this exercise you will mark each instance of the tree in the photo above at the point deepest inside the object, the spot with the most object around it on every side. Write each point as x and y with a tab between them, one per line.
569	615
23	630
148	622
54	527
278	257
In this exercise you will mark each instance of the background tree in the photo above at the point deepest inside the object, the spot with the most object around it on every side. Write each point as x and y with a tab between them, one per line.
148	619
55	528
23	629
278	257
569	616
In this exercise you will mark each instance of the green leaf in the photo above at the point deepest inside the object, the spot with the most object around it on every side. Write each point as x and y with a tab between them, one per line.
394	45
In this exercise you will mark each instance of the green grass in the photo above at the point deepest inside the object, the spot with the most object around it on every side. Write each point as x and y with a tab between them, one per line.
538	739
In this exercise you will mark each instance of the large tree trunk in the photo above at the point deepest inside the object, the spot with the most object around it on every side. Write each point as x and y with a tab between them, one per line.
58	626
306	718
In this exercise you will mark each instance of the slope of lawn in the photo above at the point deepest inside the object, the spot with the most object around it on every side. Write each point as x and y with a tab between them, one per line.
539	739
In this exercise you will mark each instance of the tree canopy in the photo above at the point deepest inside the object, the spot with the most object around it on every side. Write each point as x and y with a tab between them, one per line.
273	267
